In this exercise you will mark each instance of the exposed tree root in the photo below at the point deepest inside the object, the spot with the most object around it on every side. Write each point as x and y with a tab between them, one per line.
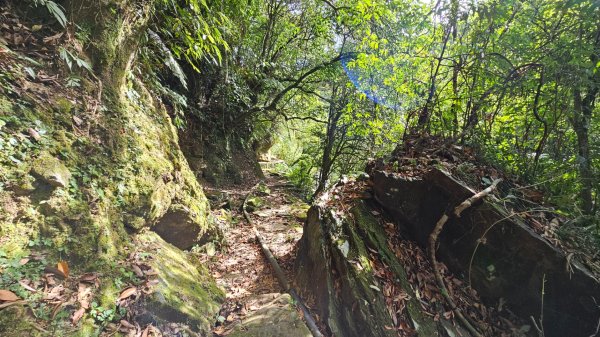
433	238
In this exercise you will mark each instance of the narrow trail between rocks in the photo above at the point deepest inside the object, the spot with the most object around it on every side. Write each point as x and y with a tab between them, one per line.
254	298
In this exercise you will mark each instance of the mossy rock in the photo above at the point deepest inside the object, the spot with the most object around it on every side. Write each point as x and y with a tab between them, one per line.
299	210
14	321
276	316
182	227
186	292
263	189
51	170
254	203
333	266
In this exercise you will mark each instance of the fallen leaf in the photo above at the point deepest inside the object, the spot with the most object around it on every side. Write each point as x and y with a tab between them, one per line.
63	267
77	315
374	287
137	271
89	277
145	333
127	324
127	293
53	37
150	272
8	296
27	286
83	295
23	261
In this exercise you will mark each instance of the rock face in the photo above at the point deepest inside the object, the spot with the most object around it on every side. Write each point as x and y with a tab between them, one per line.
509	263
185	293
333	268
275	316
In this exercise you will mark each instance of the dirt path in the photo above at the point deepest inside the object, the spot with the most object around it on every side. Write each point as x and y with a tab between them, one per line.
240	268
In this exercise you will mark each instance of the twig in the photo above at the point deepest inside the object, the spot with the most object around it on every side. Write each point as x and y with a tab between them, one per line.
310	321
433	238
595	334
8	304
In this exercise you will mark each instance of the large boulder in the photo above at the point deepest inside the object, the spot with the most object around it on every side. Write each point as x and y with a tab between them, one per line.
503	257
180	226
185	292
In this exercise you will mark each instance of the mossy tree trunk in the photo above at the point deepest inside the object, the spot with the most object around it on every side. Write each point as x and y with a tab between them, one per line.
117	28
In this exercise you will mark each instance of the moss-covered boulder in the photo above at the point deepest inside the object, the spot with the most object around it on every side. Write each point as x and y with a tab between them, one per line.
185	292
51	170
180	227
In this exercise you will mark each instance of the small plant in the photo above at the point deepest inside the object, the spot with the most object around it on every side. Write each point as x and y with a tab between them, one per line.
100	314
73	82
71	59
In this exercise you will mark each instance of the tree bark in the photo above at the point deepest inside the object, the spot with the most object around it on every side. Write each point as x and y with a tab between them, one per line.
582	114
117	29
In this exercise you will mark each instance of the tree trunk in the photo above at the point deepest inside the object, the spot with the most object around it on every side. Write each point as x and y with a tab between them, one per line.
581	123
117	28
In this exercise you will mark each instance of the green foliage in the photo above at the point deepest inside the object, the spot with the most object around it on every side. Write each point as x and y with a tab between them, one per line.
55	9
72	60
192	31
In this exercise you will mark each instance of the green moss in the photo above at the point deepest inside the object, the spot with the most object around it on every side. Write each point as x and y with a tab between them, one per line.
14	320
63	106
128	171
186	292
5	106
374	235
51	170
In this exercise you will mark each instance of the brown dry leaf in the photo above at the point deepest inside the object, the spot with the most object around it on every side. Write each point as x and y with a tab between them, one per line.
8	296
137	271
78	121
89	277
24	284
150	272
128	292
53	37
77	315
49	279
145	333
83	295
127	324
23	261
55	293
63	267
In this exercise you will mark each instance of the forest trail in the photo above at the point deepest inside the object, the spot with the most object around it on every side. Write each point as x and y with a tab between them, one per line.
254	298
